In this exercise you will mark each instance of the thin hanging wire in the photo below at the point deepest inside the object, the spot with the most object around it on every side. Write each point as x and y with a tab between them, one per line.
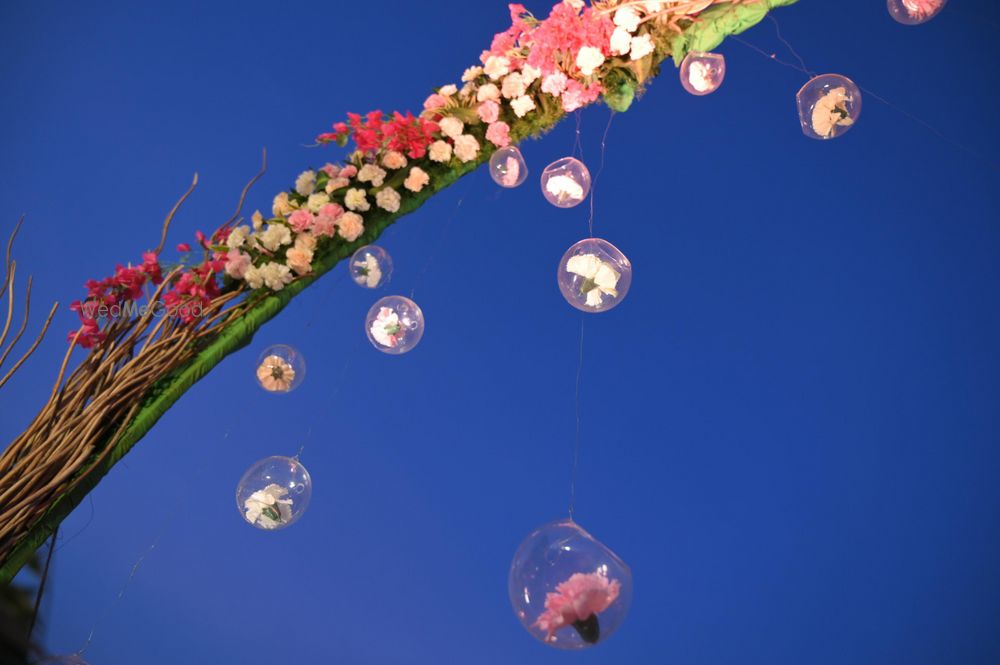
914	118
575	458
333	395
577	143
788	45
41	585
441	240
600	169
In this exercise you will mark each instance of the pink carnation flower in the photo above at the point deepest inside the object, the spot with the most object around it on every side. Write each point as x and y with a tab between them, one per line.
554	83
498	133
577	602
489	111
435	101
300	220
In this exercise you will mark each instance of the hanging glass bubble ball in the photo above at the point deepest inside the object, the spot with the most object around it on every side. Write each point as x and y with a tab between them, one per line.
507	167
912	12
594	275
274	493
72	659
371	267
280	369
567	588
702	73
566	182
394	325
829	105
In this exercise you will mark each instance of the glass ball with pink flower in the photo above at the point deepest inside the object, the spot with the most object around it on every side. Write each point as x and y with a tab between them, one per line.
394	325
567	588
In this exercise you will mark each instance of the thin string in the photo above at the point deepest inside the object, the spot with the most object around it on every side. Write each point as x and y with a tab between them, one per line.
576	441
441	240
791	49
165	525
41	585
914	118
333	395
577	143
600	169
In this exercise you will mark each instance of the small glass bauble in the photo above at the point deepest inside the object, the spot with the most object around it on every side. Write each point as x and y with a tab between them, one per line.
913	12
394	325
567	588
829	105
280	369
594	275
371	267
566	182
274	493
702	73
507	167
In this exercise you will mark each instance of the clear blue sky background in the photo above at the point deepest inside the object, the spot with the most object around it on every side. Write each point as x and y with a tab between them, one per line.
789	427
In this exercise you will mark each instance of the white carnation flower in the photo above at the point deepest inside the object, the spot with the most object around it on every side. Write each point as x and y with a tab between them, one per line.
466	147
268	507
621	41
258	220
496	66
253	277
471	74
641	46
451	127
355	199
373	174
513	86
317	201
488	92
276	275
388	199
522	105
238	236
440	151
275	236
305	184
627	18
588	59
417	179
599	277
530	74
394	160
448	90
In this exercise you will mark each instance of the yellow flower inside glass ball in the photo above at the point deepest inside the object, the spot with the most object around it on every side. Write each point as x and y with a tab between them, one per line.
913	12
371	267
566	182
567	588
274	493
280	369
829	106
394	325
594	275
703	73
507	167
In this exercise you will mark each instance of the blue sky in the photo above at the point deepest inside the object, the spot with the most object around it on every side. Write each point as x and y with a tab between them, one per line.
789	427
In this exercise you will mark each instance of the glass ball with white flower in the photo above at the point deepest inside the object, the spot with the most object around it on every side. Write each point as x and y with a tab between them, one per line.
567	588
913	12
702	73
507	167
394	325
274	493
371	267
594	275
280	369
566	182
829	106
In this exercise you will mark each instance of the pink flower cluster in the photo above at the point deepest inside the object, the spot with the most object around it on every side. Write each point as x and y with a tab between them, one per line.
577	599
124	286
403	133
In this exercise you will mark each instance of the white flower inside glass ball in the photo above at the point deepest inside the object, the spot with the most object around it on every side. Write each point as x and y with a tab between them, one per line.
702	73
371	267
394	325
274	493
914	12
594	276
566	182
280	369
567	588
829	106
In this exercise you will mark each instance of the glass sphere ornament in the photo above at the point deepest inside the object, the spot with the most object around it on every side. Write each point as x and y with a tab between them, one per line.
507	167
594	275
371	267
829	105
912	12
702	73
566	182
274	493
394	325
71	659
280	369
567	588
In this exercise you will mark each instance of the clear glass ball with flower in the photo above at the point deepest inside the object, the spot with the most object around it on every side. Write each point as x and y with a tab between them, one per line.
371	267
280	369
702	73
914	12
566	182
274	493
567	588
508	168
594	275
829	106
394	325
